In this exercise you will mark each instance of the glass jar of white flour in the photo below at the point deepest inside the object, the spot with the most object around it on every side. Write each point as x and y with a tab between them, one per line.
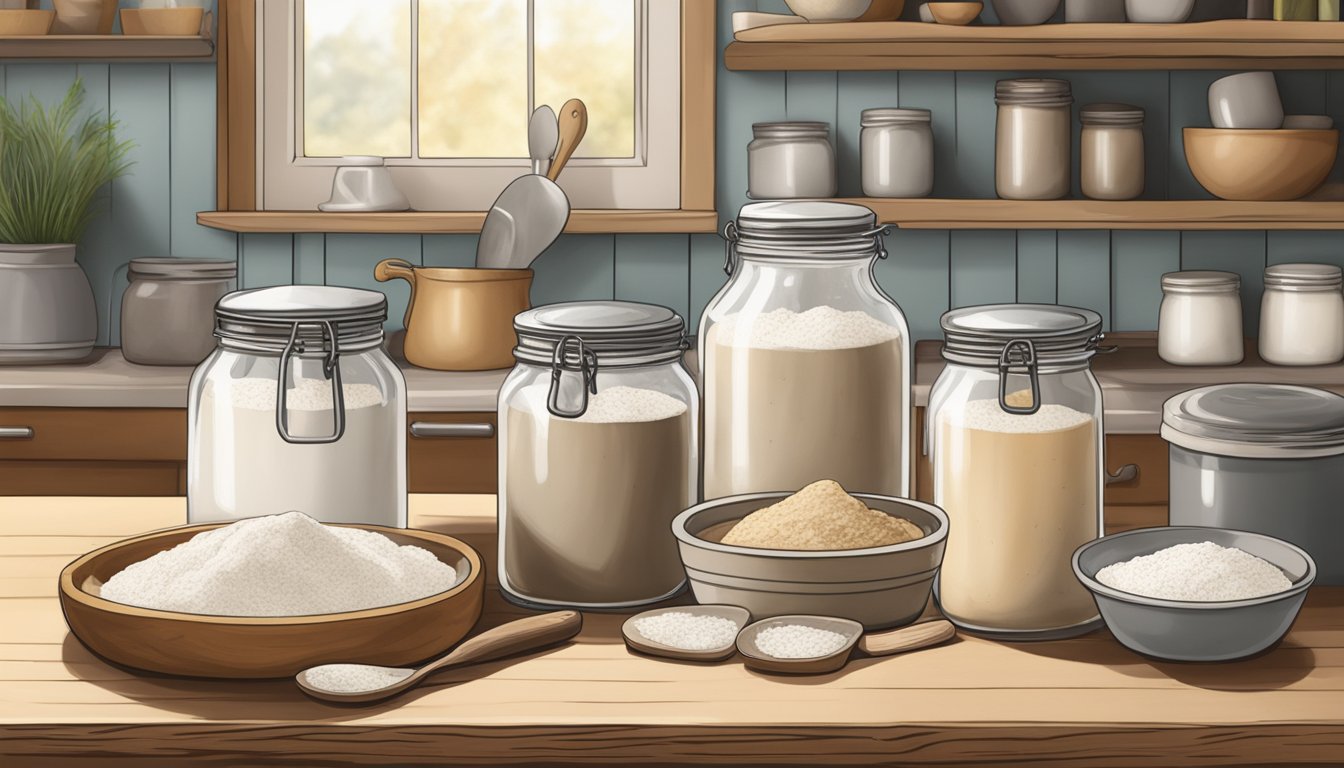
1302	315
1014	427
804	361
598	451
299	409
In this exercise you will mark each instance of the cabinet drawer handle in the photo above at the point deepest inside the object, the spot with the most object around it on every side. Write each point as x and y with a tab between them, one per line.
430	429
1126	474
16	433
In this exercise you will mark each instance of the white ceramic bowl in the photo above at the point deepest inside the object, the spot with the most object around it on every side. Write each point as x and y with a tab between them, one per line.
364	184
828	10
1159	11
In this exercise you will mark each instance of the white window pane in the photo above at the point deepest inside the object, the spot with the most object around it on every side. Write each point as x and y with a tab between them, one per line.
586	49
357	78
473	78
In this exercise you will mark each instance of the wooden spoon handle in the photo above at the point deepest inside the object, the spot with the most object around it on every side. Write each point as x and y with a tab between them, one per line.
573	126
908	638
515	637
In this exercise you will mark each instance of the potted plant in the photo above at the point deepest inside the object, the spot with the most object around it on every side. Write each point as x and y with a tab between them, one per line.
53	162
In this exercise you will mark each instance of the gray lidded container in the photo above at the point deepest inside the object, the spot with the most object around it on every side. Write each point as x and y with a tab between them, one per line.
1266	458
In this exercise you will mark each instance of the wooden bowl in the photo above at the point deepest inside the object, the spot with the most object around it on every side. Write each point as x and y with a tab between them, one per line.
1260	164
955	14
196	645
162	22
883	10
25	23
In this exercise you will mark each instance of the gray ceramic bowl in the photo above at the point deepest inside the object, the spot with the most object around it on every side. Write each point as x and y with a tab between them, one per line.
1195	631
1024	13
877	587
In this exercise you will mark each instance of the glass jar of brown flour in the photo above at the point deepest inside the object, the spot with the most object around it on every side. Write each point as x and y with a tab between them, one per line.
598	451
804	361
1014	430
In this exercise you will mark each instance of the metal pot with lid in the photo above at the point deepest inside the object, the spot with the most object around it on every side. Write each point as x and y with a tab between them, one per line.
1267	458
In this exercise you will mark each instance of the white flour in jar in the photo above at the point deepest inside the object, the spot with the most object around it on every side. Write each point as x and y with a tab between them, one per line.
1202	572
281	565
246	469
792	397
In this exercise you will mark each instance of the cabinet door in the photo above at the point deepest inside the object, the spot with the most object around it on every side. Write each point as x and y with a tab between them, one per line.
452	452
92	451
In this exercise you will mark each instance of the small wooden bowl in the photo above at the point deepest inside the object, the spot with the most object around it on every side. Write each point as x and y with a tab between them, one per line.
955	14
196	645
1245	164
25	23
761	661
162	22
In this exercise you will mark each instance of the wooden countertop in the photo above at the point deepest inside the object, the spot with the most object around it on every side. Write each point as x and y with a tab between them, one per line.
1082	702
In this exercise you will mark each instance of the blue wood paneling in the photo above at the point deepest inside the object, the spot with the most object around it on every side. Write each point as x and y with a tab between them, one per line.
576	267
1138	261
310	259
984	267
265	260
1317	246
707	276
351	259
1036	263
449	250
192	164
1240	252
654	269
915	274
972	172
811	96
1083	278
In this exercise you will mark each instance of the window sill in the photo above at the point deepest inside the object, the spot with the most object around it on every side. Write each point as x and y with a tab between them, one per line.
452	222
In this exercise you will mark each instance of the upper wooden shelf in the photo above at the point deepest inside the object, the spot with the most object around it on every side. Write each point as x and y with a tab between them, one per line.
113	47
1226	44
451	222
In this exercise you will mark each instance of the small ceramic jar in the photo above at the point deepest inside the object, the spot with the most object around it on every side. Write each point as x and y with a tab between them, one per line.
1302	315
1112	151
1200	319
1033	139
790	160
896	152
168	310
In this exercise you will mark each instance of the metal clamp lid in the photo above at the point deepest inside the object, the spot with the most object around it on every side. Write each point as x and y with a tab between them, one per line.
799	247
586	365
331	369
1019	353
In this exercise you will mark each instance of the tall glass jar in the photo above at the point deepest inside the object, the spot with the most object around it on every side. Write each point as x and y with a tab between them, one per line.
1014	427
598	451
804	361
1033	139
1112	151
1302	315
298	409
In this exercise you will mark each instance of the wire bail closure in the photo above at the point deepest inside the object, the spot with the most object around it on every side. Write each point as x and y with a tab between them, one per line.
1019	353
331	370
731	237
587	366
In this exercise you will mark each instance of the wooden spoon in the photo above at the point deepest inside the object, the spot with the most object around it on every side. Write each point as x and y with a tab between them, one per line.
573	125
521	636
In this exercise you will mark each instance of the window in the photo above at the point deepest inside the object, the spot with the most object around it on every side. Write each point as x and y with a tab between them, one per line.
444	88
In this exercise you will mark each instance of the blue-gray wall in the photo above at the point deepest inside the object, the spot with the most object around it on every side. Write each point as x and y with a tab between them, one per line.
169	111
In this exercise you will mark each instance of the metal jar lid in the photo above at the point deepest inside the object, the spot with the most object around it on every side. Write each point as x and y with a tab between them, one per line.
1304	277
1201	281
804	229
872	118
1039	92
267	320
791	130
182	269
1111	114
1268	421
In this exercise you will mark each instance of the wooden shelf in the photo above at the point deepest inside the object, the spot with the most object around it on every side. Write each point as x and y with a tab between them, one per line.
112	47
1096	214
1226	44
452	222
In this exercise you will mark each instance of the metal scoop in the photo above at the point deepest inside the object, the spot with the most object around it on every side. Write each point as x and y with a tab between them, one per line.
896	641
521	636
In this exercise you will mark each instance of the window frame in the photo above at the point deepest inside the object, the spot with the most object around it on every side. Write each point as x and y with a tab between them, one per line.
240	138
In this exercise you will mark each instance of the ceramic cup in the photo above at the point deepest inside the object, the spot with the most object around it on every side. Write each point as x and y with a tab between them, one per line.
364	184
1159	11
1308	122
1249	100
1024	13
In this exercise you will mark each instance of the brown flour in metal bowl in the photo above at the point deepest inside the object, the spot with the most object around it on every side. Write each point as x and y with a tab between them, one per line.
821	516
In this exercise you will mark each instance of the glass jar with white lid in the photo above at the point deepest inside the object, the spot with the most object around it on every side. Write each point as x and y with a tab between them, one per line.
598	452
787	160
1199	322
298	409
896	152
805	362
1014	431
1302	315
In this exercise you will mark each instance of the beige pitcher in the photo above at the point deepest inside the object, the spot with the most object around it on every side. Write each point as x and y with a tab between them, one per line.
460	319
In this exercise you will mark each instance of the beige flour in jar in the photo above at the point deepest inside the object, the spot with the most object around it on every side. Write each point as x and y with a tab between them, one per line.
247	469
1021	495
790	397
590	501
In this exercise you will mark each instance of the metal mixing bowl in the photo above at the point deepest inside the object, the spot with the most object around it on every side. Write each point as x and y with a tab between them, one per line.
877	587
1195	631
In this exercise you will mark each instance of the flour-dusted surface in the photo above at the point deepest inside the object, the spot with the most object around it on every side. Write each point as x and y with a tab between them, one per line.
355	678
630	405
817	328
1203	572
821	517
688	631
794	641
282	565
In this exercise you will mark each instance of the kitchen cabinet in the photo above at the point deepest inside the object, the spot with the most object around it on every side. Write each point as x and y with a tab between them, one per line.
1074	703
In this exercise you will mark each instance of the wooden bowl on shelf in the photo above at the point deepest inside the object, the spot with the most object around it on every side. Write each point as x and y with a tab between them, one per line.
162	22
25	23
195	645
956	14
1260	165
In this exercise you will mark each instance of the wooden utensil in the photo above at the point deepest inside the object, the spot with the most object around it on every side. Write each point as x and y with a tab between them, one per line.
887	643
573	127
638	642
521	636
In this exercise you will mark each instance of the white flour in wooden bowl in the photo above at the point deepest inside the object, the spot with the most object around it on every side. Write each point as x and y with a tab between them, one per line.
282	565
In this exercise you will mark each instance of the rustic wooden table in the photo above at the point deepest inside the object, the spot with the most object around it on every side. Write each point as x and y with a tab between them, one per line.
1082	702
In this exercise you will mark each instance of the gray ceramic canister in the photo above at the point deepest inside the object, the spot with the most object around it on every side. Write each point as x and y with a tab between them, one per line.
1266	458
168	310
